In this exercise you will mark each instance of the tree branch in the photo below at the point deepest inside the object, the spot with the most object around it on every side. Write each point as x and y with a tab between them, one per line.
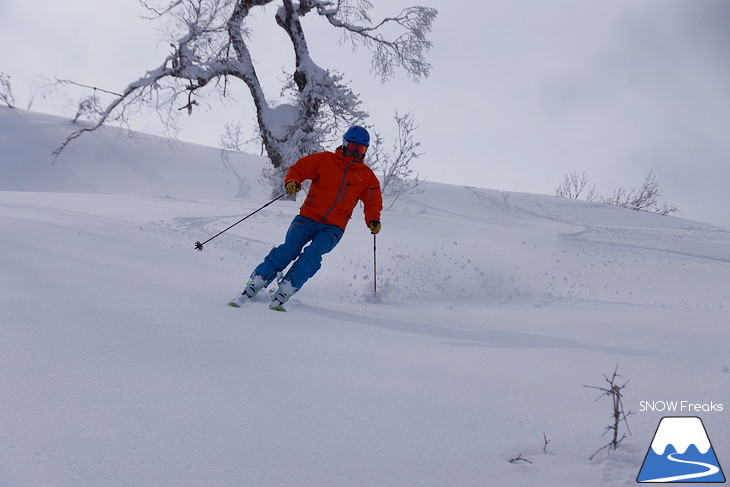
406	51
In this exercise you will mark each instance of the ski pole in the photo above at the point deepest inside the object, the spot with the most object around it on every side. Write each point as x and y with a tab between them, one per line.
199	245
375	266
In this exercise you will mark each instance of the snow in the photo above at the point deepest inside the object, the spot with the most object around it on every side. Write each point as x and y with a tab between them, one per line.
121	365
280	118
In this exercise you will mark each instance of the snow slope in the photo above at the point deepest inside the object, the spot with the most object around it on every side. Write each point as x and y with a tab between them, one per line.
120	364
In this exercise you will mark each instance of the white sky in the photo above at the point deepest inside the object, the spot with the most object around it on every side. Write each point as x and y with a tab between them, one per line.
521	92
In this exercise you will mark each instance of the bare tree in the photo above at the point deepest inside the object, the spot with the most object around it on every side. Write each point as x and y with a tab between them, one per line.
210	50
232	137
394	167
575	185
644	198
6	91
88	108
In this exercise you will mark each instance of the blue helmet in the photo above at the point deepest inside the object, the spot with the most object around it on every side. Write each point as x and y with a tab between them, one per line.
356	134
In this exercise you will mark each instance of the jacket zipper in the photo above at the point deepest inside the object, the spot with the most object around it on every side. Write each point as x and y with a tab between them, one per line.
339	192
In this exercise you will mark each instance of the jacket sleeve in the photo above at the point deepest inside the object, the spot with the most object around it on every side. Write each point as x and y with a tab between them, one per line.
372	200
305	168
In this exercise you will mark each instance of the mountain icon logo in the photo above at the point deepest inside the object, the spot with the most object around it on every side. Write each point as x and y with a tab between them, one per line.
681	452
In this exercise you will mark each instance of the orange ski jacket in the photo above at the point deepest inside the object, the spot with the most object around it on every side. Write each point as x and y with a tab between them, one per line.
338	182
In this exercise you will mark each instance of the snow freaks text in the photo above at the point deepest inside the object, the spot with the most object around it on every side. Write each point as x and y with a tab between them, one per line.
682	407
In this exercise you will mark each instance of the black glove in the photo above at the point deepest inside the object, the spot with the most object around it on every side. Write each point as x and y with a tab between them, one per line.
374	227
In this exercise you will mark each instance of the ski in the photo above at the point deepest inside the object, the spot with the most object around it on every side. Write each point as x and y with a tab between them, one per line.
239	302
242	300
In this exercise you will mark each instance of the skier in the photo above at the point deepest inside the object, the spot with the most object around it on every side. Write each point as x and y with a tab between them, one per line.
339	180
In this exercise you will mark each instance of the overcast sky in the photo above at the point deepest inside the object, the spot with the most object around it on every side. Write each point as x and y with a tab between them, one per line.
521	91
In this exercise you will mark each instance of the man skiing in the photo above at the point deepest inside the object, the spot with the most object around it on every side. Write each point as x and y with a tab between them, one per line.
339	180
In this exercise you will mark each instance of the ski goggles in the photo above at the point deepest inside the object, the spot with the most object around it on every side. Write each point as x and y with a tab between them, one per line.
355	148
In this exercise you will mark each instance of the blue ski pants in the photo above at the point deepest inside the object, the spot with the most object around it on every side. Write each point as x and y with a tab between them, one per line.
322	238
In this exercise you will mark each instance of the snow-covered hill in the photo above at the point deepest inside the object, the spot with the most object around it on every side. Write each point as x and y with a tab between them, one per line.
121	365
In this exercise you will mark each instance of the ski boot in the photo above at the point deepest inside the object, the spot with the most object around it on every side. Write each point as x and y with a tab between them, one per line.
282	295
253	286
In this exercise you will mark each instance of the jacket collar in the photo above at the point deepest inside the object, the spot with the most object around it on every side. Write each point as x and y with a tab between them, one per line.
345	158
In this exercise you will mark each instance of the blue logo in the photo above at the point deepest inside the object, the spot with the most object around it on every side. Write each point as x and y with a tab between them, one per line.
681	452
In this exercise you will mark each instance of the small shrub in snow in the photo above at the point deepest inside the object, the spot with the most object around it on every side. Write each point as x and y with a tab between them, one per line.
519	459
646	197
618	413
88	108
6	91
575	186
643	198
